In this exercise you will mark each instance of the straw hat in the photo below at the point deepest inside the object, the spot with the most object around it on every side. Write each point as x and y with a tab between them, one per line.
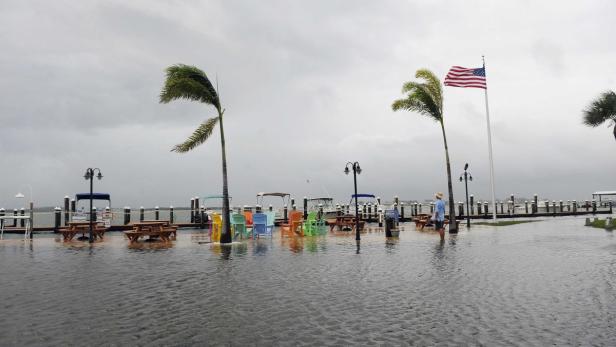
439	195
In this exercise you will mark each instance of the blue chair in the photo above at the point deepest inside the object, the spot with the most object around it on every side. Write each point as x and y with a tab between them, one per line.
259	225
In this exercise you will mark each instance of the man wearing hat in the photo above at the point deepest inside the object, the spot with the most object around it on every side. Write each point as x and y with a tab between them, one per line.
439	215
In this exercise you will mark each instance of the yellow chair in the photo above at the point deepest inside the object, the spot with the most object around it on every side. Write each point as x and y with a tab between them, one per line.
215	227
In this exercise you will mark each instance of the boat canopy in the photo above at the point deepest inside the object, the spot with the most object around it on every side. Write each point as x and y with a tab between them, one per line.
95	196
362	196
356	196
322	199
600	194
282	195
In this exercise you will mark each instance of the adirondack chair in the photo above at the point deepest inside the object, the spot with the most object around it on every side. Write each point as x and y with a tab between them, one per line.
215	227
248	219
313	225
295	226
271	221
259	225
238	222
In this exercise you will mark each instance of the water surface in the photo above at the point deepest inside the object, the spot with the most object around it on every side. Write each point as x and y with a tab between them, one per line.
549	282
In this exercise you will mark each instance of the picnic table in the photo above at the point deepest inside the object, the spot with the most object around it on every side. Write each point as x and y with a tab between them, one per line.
346	221
424	220
82	227
154	229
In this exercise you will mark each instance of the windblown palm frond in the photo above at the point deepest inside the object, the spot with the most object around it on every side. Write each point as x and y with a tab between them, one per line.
601	109
433	84
419	99
199	136
188	82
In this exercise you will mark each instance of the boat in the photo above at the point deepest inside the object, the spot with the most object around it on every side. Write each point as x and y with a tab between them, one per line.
326	204
374	206
81	214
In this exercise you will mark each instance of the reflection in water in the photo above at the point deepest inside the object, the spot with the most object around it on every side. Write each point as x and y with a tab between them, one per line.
390	243
295	243
261	245
147	246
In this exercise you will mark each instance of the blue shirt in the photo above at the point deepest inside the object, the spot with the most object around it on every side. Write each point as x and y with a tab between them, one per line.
439	211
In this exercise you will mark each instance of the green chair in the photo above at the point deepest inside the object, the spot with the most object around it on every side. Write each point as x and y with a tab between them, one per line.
313	225
238	223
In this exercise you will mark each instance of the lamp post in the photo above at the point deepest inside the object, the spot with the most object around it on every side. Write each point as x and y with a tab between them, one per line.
89	175
467	176
356	171
21	196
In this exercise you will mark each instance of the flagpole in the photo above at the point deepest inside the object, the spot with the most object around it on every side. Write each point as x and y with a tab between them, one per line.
490	146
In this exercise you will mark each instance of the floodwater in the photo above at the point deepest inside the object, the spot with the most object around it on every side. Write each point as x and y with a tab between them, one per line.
549	282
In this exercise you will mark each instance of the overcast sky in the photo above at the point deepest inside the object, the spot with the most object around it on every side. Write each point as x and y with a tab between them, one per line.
307	86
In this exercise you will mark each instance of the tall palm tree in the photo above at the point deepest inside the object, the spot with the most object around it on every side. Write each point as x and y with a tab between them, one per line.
189	82
426	98
601	109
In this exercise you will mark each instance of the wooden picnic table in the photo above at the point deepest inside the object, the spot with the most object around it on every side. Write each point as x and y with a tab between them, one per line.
344	221
153	229
82	227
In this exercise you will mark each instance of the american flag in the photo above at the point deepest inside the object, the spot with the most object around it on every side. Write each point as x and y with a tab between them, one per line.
459	76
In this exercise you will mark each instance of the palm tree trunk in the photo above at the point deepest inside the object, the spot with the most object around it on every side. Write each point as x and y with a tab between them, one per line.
614	128
453	226
225	237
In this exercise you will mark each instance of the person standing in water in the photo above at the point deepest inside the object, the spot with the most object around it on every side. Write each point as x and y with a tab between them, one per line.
439	215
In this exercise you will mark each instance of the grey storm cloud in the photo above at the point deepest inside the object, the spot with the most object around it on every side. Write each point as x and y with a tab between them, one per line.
307	86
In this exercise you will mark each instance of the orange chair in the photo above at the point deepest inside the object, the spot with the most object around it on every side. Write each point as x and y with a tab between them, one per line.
296	221
248	217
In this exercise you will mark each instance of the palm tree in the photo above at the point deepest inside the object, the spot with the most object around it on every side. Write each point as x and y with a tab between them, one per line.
189	82
601	109
426	98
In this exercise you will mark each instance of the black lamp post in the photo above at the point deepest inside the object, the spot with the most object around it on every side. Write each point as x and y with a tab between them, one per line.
89	175
467	177
356	171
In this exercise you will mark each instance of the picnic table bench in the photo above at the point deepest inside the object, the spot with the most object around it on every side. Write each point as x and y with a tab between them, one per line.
82	227
344	222
152	229
424	220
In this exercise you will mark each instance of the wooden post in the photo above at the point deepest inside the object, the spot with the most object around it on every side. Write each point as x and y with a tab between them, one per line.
2	213
67	202
553	207
271	208
171	216
574	203
305	208
94	216
285	214
587	205
58	217
320	212
192	210
610	206
547	206
402	211
156	213
292	202
485	208
526	206
338	212
126	215
14	219
22	222
561	206
294	207
594	206
536	208
502	207
142	214
202	217
472	205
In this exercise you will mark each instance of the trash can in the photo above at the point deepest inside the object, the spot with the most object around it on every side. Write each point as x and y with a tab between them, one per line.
391	223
